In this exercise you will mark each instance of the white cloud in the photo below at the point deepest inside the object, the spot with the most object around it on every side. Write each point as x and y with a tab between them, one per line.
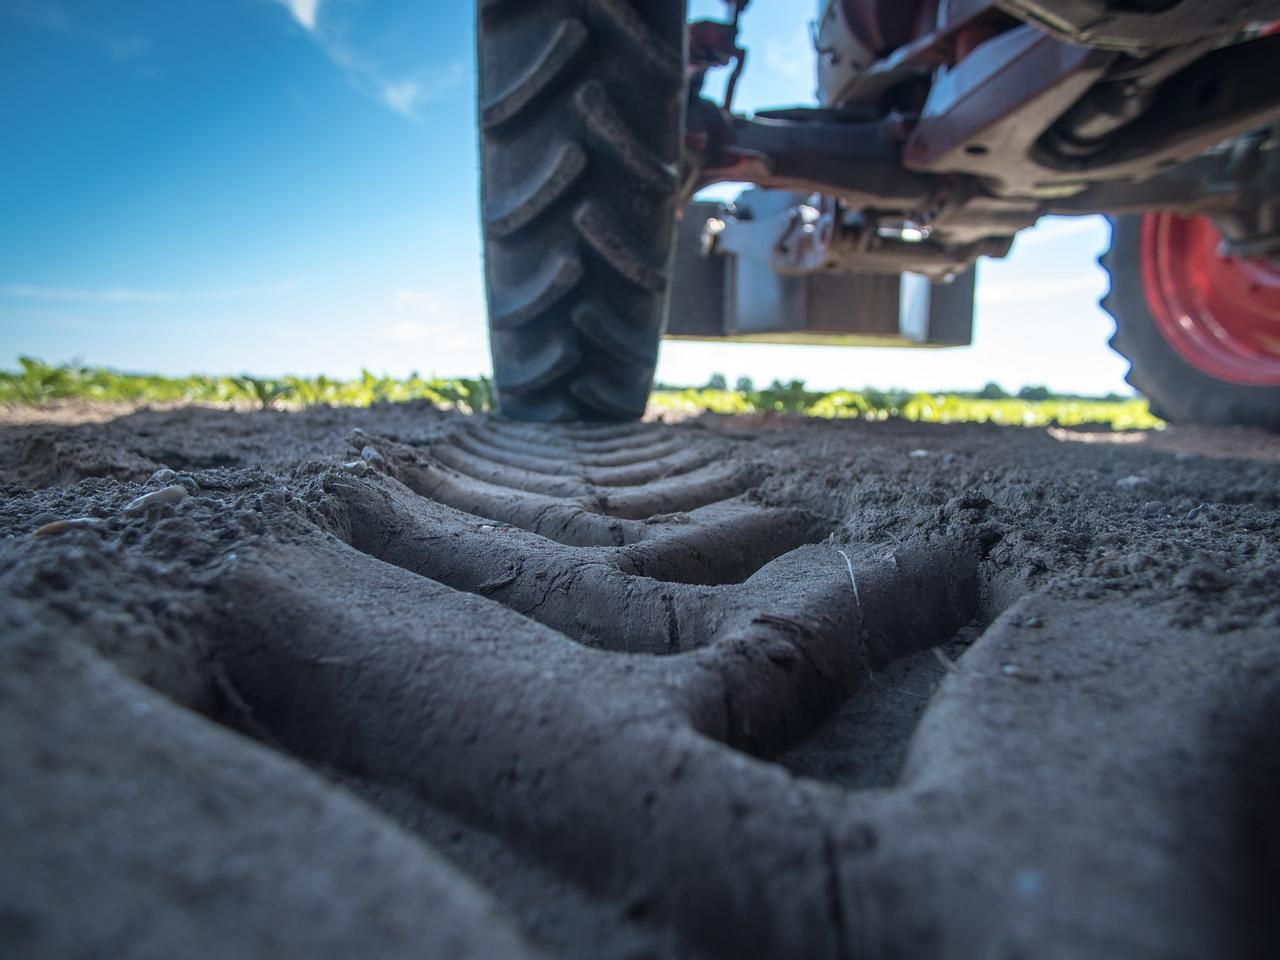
306	12
381	63
402	97
409	95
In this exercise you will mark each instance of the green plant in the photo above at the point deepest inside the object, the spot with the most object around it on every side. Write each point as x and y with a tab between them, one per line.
36	383
265	392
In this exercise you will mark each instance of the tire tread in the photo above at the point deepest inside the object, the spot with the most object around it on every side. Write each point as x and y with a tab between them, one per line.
580	111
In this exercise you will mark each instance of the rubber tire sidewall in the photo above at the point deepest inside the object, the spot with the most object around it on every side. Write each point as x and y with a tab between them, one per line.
1178	391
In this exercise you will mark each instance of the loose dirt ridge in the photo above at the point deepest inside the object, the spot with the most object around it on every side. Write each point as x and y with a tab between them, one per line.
730	689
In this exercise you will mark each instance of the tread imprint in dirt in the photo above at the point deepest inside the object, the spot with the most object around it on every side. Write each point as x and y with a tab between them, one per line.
490	621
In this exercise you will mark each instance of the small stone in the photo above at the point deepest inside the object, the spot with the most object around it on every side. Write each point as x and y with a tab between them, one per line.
372	456
1152	507
1195	512
162	477
1033	623
918	453
358	467
949	458
74	523
145	502
1132	482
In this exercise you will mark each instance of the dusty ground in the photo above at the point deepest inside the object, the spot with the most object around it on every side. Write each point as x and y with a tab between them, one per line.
758	688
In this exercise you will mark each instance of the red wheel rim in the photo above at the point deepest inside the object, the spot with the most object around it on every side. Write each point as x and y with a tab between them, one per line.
1221	314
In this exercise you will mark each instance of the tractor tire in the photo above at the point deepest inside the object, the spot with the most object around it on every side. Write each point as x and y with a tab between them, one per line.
1201	332
581	115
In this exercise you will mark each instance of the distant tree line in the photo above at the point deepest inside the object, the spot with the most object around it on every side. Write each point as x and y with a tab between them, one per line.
796	388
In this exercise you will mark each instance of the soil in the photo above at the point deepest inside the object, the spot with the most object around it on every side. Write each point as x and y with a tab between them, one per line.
401	682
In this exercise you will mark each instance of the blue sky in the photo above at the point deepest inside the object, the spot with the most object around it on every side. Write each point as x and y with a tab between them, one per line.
290	187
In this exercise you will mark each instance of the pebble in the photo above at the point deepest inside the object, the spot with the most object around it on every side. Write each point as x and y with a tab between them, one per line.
166	477
358	467
73	523
372	456
949	458
1194	512
1152	507
918	453
1129	483
171	494
1033	623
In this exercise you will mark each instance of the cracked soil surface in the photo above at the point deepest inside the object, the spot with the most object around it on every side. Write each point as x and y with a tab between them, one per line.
403	683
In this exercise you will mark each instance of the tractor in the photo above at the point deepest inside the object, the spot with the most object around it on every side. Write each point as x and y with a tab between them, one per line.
942	128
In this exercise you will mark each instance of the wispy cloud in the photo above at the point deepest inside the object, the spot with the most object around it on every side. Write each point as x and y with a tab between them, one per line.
410	95
304	11
403	89
114	295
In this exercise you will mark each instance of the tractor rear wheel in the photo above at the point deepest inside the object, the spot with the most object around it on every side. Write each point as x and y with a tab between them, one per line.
1200	330
581	124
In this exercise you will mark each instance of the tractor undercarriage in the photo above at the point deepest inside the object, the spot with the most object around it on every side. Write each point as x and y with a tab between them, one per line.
924	158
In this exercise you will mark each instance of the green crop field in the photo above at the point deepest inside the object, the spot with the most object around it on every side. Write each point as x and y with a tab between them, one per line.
35	383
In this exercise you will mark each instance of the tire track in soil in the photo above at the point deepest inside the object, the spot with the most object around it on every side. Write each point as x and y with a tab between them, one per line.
377	624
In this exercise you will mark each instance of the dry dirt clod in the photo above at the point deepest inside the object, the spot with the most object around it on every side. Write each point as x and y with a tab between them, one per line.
148	501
